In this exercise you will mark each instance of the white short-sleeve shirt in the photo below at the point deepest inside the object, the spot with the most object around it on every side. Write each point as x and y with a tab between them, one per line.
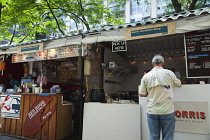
159	84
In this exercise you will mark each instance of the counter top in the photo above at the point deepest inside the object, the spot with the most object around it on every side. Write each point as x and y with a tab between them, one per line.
41	94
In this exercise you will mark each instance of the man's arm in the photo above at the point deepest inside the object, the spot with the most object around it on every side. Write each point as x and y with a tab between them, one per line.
177	82
142	89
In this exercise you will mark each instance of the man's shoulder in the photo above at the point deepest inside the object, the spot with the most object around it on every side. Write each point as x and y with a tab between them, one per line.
167	70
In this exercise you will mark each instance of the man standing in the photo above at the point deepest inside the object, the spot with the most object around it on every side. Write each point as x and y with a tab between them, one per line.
157	86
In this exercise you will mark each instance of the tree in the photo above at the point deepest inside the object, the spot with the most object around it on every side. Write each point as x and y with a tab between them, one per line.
21	20
186	5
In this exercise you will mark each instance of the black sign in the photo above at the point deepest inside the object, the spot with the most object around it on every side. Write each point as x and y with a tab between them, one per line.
197	47
119	46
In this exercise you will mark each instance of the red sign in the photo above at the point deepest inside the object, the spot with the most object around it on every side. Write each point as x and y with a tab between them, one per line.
190	114
36	118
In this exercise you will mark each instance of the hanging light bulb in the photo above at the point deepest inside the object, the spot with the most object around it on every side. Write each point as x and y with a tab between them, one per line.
133	61
170	58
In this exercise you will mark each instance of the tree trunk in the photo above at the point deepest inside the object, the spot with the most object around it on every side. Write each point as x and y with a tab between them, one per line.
204	3
192	4
177	6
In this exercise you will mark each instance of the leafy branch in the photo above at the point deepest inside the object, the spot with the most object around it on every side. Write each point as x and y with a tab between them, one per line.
59	28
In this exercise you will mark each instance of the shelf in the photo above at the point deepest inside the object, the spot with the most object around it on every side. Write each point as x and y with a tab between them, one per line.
116	72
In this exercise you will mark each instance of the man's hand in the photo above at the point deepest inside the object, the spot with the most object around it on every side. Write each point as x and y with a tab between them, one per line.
143	95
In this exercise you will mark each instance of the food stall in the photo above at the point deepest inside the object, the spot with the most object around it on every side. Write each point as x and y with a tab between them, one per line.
124	67
41	106
184	44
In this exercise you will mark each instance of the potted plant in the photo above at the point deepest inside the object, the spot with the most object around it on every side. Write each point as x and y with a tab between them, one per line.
183	80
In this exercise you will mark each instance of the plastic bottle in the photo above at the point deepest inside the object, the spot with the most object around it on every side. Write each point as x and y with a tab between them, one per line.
15	89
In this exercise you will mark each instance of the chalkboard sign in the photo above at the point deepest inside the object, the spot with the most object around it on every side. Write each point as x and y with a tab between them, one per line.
197	48
119	46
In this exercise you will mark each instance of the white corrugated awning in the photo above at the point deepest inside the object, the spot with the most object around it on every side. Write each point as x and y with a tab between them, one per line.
193	23
11	50
111	35
62	42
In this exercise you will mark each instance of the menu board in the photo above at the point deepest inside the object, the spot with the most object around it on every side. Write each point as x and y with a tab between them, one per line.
197	48
70	51
56	53
26	57
52	54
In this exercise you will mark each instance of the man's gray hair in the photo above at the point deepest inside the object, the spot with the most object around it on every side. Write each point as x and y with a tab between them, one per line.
157	59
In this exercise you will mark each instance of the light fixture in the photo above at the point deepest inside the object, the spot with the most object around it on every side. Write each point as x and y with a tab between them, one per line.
145	61
132	61
170	58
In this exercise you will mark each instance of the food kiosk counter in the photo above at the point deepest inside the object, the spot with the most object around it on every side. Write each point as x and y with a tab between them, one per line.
42	116
188	96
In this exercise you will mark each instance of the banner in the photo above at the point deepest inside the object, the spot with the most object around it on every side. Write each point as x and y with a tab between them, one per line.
26	57
192	117
10	106
30	48
150	31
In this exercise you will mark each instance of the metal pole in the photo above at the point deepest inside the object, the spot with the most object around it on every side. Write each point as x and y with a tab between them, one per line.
81	94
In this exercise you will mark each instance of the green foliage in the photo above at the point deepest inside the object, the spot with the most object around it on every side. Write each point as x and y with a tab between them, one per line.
45	16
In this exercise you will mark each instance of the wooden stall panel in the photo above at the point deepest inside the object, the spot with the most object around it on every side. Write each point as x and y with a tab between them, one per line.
45	127
38	135
19	123
8	125
33	98
3	122
26	110
13	126
64	125
52	120
53	129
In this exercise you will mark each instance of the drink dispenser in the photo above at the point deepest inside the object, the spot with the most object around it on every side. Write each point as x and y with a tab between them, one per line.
27	84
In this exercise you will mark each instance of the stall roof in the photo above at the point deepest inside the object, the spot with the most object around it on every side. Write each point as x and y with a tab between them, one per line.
172	17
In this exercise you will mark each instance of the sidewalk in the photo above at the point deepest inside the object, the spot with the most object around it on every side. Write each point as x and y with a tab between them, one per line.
4	136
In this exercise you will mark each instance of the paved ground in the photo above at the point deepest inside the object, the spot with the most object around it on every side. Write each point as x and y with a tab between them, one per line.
4	136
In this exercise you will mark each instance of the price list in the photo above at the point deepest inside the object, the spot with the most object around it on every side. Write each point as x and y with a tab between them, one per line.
70	51
26	57
56	53
197	47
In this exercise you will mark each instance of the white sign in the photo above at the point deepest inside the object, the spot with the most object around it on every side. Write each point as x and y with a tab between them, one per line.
192	117
10	106
26	57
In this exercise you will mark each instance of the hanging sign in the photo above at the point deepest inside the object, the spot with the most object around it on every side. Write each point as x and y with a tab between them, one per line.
10	106
197	48
192	117
119	46
26	57
53	53
30	48
150	31
69	51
